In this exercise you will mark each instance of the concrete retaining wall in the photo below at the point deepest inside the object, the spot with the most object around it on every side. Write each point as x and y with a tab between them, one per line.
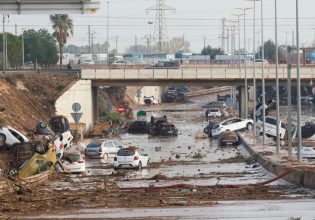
300	177
80	92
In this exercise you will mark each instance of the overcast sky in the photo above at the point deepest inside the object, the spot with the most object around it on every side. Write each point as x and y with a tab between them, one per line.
194	19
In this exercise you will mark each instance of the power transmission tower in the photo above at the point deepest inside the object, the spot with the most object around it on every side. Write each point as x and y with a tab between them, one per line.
160	29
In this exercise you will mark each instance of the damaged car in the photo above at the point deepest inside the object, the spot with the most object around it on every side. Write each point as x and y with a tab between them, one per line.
159	126
10	136
138	127
229	138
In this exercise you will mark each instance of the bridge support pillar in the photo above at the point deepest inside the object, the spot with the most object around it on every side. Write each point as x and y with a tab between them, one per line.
95	103
241	101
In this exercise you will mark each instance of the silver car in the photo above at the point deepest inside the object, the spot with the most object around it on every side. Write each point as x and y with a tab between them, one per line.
103	149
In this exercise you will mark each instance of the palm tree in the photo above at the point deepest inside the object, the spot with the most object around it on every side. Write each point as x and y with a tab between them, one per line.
63	28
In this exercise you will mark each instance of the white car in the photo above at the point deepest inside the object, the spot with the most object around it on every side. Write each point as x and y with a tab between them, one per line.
308	152
260	61
10	136
62	142
232	124
271	128
150	100
105	149
213	113
73	162
121	63
131	158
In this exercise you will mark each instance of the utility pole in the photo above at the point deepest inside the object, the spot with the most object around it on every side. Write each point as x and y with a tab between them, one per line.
116	44
204	42
23	58
136	44
15	29
107	27
160	21
89	37
223	34
184	43
228	40
92	42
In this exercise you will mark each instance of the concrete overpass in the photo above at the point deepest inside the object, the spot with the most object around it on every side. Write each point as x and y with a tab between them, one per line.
207	76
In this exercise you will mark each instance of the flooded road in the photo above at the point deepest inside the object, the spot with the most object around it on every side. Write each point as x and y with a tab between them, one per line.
219	177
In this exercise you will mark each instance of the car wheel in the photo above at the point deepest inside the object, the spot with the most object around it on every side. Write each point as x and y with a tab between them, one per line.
41	148
42	124
140	166
221	144
249	126
2	140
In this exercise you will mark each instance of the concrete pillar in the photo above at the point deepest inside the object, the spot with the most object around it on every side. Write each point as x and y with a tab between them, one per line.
95	103
241	102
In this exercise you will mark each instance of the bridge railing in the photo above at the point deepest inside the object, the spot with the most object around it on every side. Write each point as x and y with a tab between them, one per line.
188	73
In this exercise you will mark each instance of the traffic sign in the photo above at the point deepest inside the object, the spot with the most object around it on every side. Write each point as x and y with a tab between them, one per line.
76	116
76	107
138	93
121	109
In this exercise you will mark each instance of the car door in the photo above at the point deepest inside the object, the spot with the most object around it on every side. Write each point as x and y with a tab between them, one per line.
111	147
228	125
117	145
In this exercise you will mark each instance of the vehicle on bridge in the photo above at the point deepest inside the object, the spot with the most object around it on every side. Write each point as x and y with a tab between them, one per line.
165	65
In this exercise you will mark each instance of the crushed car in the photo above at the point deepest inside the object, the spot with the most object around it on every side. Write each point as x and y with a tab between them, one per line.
73	162
138	127
159	126
229	138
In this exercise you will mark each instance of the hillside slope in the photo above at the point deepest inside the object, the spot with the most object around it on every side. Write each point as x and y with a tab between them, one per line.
25	99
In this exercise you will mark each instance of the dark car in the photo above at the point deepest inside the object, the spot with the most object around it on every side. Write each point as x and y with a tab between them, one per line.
138	127
159	126
165	65
229	138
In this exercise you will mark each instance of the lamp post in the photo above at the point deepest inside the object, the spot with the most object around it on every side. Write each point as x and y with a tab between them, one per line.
239	38
299	136
254	66
277	80
263	73
245	58
107	27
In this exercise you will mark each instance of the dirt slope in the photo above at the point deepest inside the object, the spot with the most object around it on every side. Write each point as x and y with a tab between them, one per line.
25	99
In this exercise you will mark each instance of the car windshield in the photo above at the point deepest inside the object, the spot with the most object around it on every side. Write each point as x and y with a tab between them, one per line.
93	145
126	152
72	157
214	110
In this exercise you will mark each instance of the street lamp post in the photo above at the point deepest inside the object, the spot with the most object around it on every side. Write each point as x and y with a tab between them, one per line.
239	38
254	66
263	73
107	27
277	80
299	136
245	58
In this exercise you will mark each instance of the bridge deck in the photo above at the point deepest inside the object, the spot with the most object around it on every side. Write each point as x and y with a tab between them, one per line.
192	76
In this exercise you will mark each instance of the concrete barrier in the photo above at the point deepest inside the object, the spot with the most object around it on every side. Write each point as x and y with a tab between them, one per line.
301	176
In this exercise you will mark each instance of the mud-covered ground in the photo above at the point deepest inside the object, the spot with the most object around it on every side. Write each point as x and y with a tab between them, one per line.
187	171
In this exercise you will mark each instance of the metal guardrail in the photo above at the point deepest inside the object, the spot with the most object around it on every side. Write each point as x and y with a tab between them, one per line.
208	91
